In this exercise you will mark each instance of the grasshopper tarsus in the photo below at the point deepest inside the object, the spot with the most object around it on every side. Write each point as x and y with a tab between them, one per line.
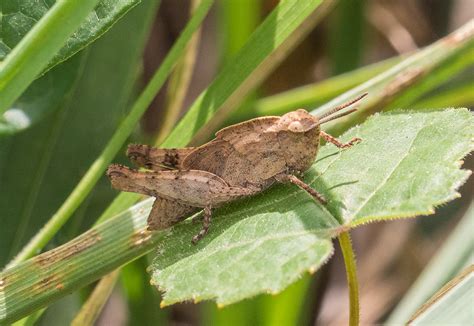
206	222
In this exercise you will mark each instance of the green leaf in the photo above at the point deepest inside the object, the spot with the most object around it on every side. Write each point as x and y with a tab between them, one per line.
406	164
259	244
32	33
452	305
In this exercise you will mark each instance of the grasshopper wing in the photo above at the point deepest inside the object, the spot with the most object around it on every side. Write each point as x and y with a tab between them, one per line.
157	159
194	187
244	153
210	157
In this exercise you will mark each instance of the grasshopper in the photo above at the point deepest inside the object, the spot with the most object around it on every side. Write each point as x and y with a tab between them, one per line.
242	160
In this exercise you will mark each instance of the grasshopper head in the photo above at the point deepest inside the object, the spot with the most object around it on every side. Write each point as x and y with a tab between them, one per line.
298	121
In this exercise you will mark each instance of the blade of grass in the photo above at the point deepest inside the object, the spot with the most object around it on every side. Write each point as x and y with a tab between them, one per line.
238	20
318	93
461	61
91	177
29	57
451	305
448	261
347	36
284	27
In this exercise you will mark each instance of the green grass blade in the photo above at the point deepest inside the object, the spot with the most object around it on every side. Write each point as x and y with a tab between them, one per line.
443	266
316	94
452	305
238	19
29	57
347	36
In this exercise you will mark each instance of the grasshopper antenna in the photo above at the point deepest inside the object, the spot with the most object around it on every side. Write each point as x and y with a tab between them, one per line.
337	116
339	108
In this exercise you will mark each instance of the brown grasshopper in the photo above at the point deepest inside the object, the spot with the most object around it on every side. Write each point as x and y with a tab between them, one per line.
242	160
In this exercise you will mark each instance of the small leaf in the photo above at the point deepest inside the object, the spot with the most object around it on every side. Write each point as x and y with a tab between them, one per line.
407	163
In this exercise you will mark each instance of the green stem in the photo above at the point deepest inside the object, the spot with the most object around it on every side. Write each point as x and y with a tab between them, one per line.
29	57
96	170
351	272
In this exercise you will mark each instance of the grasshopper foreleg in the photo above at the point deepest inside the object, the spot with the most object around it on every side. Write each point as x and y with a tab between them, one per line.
336	142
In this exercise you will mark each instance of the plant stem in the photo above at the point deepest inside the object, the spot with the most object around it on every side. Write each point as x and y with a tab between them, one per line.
96	170
351	272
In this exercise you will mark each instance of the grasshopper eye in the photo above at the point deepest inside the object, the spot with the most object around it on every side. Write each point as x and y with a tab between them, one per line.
296	126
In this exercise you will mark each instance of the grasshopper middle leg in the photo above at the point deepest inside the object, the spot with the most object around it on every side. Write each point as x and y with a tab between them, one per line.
294	180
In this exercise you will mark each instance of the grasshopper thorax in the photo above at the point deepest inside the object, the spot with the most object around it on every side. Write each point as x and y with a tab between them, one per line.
298	136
